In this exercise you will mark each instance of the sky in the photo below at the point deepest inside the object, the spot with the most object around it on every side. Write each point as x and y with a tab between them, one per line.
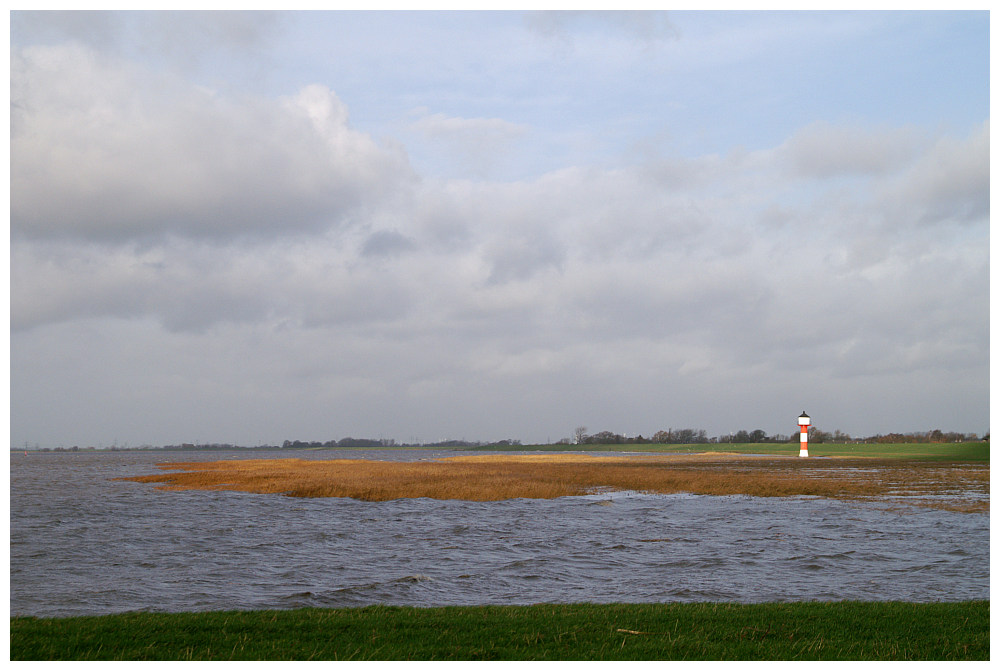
246	228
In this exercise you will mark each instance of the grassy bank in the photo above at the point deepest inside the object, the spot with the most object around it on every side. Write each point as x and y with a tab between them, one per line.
972	451
701	631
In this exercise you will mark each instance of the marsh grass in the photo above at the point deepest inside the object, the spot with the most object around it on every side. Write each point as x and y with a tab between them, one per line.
499	477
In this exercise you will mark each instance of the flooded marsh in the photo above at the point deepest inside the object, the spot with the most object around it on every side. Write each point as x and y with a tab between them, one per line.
547	476
85	541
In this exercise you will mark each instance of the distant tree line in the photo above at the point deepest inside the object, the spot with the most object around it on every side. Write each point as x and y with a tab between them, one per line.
580	437
343	442
204	447
816	435
382	442
673	437
935	436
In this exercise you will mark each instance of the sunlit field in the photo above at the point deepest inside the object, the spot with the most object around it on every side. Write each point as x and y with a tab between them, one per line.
495	477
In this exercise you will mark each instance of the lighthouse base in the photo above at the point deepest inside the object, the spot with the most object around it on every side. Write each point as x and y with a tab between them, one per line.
803	452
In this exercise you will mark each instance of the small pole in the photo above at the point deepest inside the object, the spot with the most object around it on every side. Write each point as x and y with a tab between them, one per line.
804	434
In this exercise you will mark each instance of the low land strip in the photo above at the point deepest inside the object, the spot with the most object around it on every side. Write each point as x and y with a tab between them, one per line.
972	451
697	631
956	486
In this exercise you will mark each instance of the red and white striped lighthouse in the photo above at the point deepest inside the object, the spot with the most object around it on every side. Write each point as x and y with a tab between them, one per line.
803	434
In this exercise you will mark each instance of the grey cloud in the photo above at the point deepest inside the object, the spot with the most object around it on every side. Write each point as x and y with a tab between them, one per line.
948	183
354	302
107	151
442	221
581	279
918	307
184	288
299	278
683	173
518	260
193	287
709	303
97	29
67	283
189	35
387	243
184	37
610	214
823	150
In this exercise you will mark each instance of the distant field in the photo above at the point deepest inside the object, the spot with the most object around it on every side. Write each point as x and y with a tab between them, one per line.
672	631
972	451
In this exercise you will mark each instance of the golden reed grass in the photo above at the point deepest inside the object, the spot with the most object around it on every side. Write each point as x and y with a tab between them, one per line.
499	477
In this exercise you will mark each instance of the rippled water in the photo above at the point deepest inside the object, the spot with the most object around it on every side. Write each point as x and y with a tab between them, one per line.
82	543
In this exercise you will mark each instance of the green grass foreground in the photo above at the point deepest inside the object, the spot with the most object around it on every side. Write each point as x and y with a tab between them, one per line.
694	631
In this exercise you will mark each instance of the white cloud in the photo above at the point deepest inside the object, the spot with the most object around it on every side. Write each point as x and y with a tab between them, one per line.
101	149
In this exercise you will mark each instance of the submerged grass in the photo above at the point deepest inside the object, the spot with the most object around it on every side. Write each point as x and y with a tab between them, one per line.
499	477
696	631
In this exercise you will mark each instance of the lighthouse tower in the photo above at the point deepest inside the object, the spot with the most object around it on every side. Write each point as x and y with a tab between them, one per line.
804	434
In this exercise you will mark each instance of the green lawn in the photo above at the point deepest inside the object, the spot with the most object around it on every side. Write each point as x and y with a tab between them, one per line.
698	631
971	451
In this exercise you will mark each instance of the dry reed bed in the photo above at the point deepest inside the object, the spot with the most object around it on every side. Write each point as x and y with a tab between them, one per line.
499	477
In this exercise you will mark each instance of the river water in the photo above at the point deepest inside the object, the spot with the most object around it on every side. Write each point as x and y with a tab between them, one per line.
83	544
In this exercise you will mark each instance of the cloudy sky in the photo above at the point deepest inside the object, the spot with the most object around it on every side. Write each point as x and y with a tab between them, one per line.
252	227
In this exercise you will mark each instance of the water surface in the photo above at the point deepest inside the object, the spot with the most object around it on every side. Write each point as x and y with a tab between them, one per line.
82	543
